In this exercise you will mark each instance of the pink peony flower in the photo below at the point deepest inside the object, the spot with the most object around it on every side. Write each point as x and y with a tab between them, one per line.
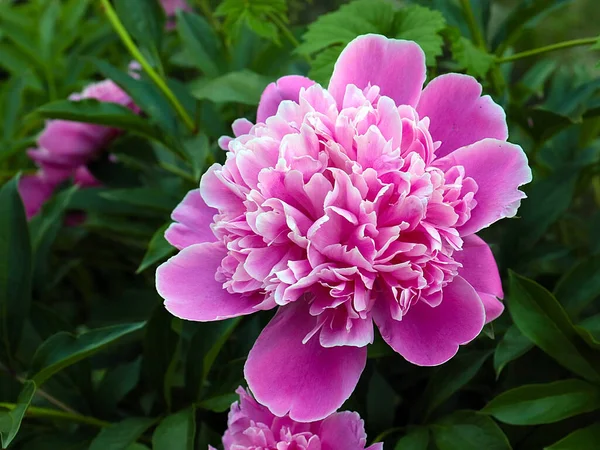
252	427
171	7
344	208
65	147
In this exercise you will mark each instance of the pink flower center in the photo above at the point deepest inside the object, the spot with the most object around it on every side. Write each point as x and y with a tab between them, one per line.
338	206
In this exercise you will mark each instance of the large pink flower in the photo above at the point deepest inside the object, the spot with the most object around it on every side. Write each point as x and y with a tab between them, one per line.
65	147
348	207
252	427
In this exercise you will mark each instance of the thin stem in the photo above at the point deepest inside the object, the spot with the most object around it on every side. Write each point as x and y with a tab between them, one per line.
205	8
284	29
35	411
472	23
548	48
113	18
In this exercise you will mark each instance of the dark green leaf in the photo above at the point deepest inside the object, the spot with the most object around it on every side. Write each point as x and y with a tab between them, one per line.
234	87
47	30
11	105
64	349
541	319
451	377
580	286
416	439
145	22
544	403
257	15
466	430
201	42
474	60
117	383
422	25
121	435
100	113
583	439
158	249
15	267
10	421
512	346
144	197
382	401
176	432
219	403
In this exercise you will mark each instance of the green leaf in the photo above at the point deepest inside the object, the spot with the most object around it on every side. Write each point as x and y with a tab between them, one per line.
121	435
201	42
243	87
473	60
422	25
322	65
64	349
11	105
10	421
160	347
158	249
197	149
468	430
257	15
100	113
47	30
15	267
117	383
145	197
589	329
145	22
207	343
512	346
580	286
583	439
176	432
382	401
220	403
451	377
541	319
416	439
536	404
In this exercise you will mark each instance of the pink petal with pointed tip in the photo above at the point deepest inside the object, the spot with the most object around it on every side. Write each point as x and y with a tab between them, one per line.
498	168
396	66
187	283
459	115
480	271
429	336
286	88
305	380
193	218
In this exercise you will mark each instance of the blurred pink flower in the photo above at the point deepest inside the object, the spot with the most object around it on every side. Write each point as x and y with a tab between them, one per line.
252	427
171	7
344	208
65	147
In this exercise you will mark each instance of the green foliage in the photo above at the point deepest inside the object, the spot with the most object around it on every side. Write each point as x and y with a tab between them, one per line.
90	358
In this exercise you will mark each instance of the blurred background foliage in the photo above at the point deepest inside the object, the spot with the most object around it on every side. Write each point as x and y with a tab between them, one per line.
89	357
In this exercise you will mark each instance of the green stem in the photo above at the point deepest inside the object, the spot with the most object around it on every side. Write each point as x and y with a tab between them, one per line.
472	23
137	55
47	413
284	29
205	8
548	48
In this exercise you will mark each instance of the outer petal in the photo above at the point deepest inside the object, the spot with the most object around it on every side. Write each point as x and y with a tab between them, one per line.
35	191
193	218
286	88
429	336
396	66
480	271
305	380
499	168
187	283
343	430
459	115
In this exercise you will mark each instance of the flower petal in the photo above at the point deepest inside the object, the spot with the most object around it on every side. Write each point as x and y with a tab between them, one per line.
343	430
192	222
396	66
187	283
480	271
459	115
306	380
429	336
34	191
286	88
499	168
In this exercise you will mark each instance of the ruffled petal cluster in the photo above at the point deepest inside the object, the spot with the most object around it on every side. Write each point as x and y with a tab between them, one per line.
251	426
65	148
347	208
